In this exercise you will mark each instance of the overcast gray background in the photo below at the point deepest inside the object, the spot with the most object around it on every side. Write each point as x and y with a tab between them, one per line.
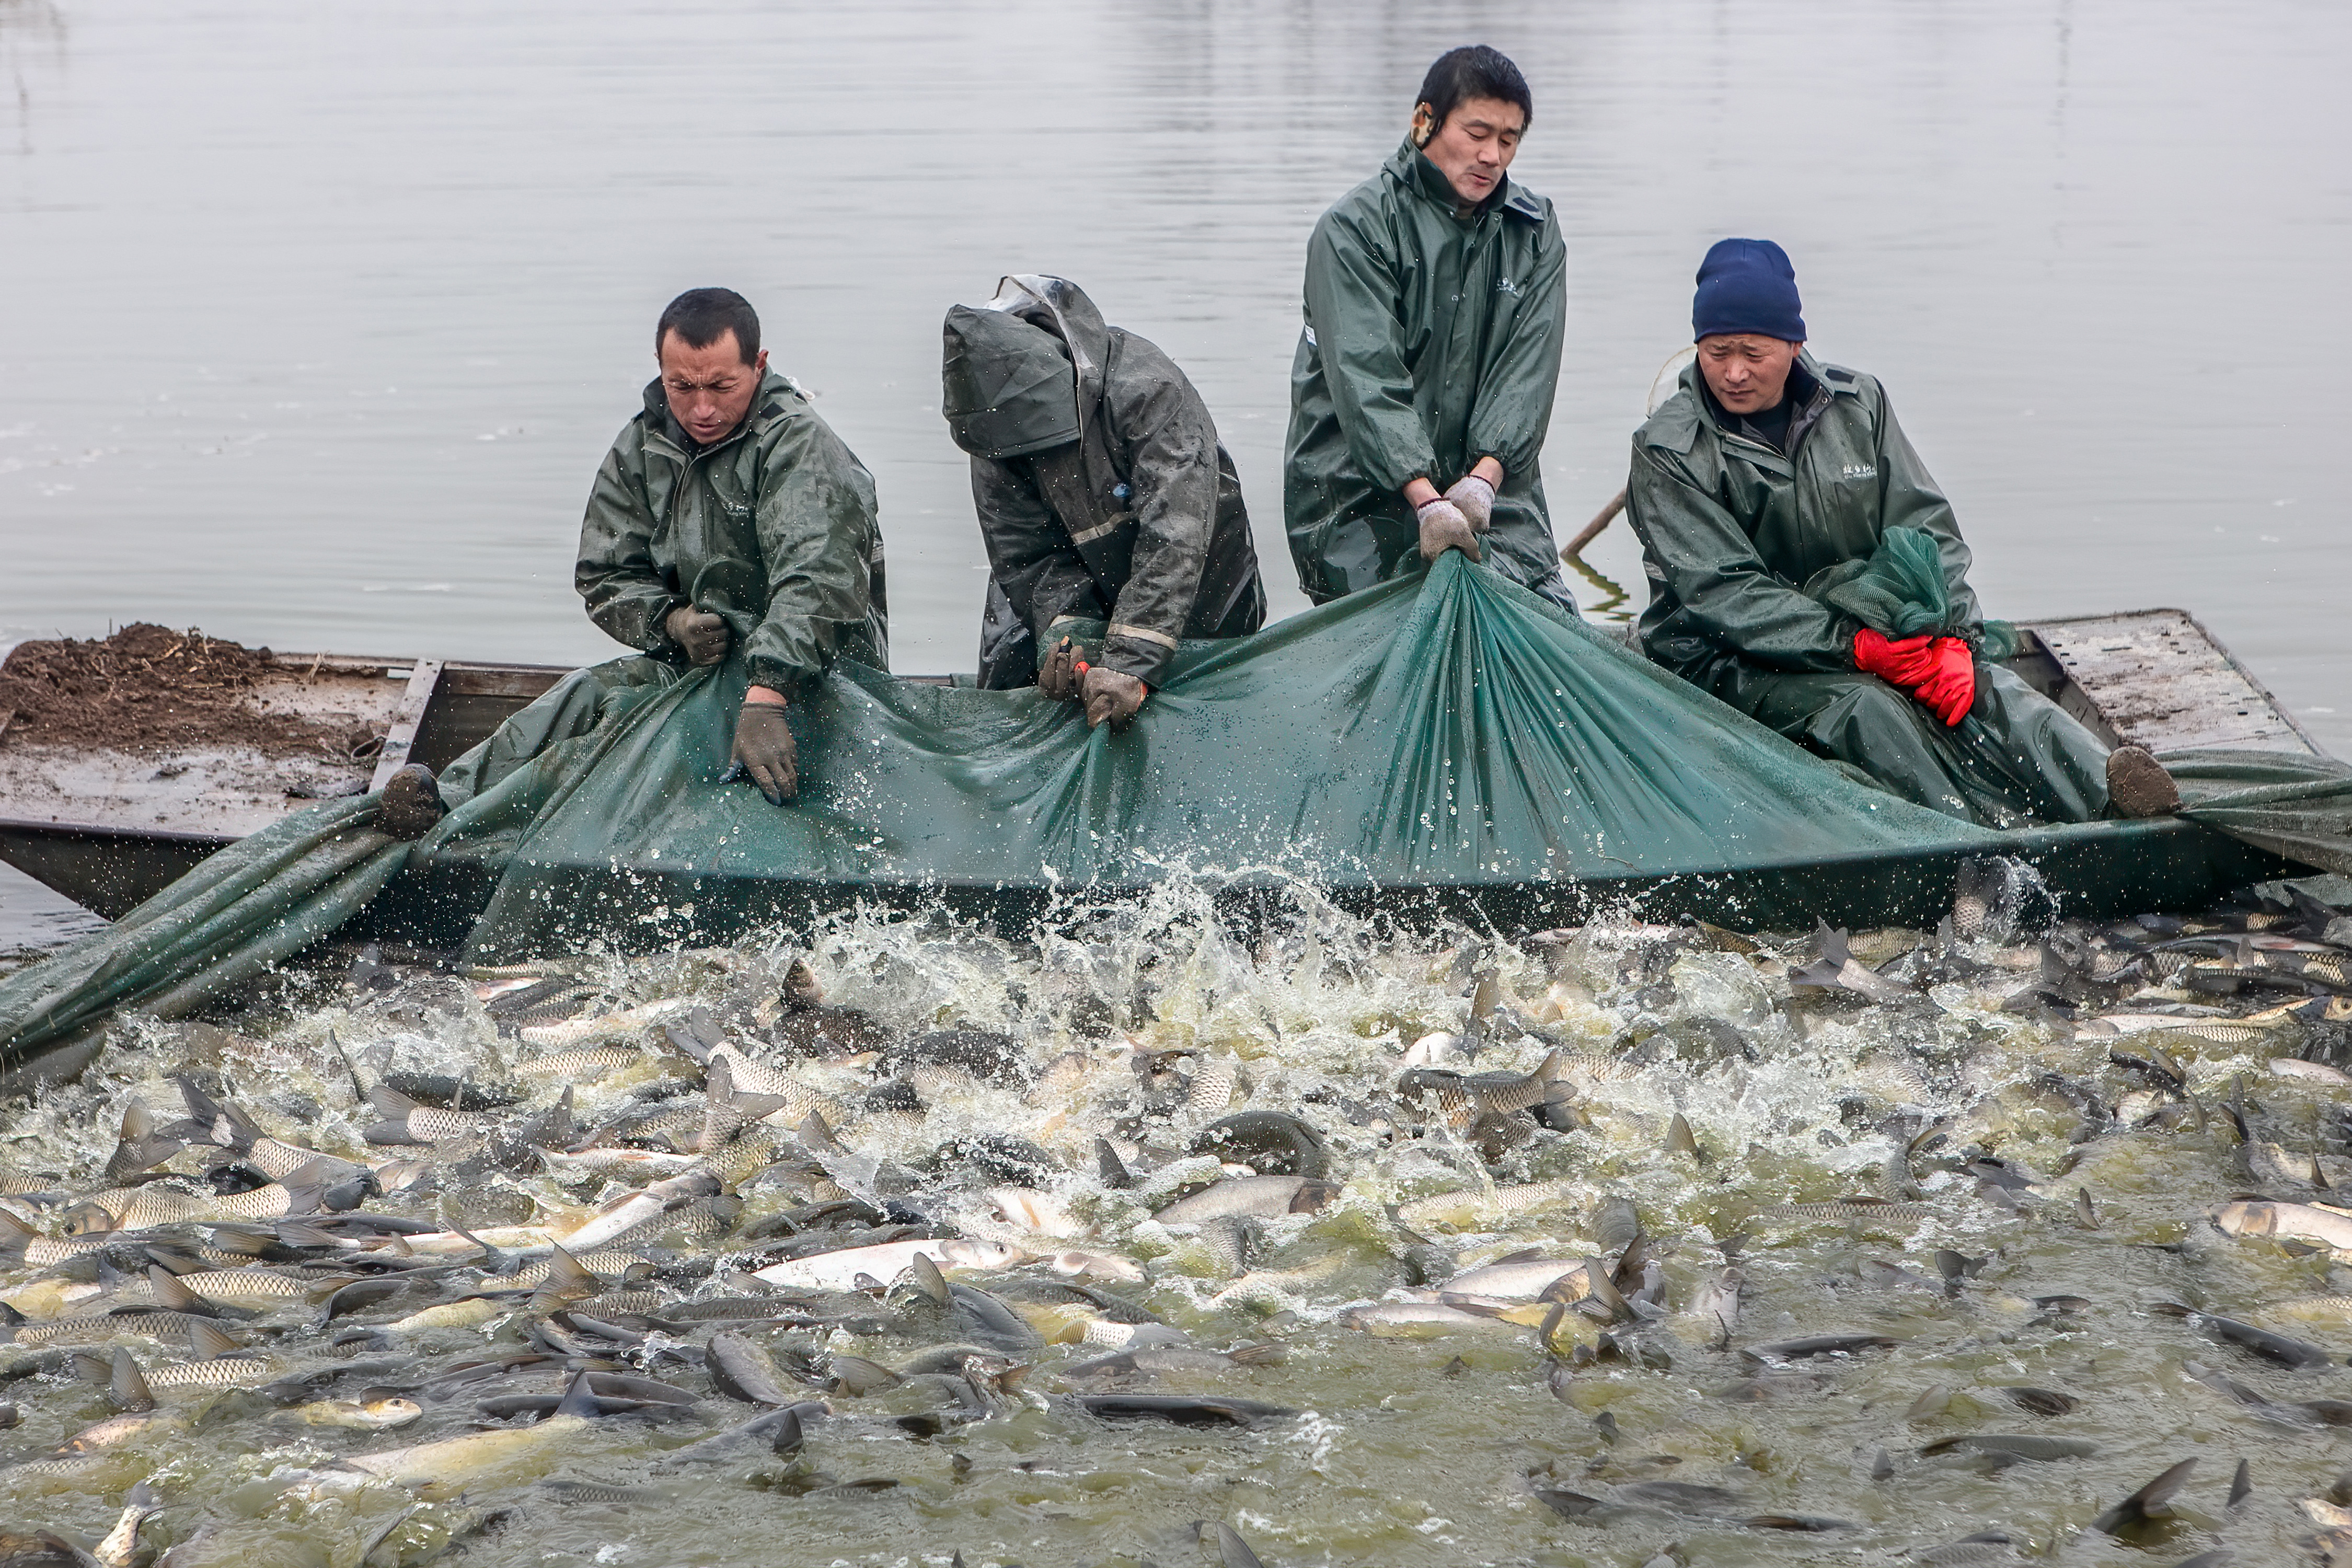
315	318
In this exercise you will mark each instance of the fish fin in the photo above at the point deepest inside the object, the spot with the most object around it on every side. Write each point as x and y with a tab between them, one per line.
568	1279
857	1375
1231	1547
171	1293
580	1399
90	1367
308	1233
555	1126
1313	1195
1272	1353
1679	1139
1110	1167
2242	1485
383	1532
304	1198
785	1436
718	1083
81	1556
1835	952
929	1280
2144	1504
127	1384
209	1343
683	1041
14	1234
817	1136
390	1103
350	1069
202	1108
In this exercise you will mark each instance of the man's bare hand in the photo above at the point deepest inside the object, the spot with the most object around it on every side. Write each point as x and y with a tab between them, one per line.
764	750
1057	678
1111	697
1443	528
702	635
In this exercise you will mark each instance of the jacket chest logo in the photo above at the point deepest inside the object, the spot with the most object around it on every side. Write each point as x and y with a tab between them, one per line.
1508	287
733	508
1859	471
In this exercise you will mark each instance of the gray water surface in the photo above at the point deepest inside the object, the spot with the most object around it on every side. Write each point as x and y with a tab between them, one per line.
314	322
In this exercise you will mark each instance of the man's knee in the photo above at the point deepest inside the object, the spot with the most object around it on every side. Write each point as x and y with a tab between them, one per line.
1863	718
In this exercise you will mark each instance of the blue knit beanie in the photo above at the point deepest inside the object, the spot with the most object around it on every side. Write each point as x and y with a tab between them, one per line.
1747	286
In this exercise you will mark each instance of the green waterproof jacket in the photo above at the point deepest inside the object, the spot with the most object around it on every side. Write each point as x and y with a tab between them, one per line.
1431	341
1733	530
1138	522
771	527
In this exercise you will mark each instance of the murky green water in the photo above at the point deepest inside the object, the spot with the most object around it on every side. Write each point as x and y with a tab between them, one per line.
1405	1450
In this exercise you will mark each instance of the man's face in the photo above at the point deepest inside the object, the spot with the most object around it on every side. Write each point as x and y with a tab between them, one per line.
710	388
1474	145
1747	371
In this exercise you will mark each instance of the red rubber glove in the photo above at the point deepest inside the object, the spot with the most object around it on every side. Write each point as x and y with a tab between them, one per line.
1951	691
1905	663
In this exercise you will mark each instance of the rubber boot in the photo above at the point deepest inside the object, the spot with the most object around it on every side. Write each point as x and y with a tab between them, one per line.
412	802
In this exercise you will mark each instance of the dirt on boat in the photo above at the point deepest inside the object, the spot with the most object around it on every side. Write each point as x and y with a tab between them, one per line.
147	687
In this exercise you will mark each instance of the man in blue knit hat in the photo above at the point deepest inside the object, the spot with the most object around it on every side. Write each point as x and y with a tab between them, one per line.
1804	568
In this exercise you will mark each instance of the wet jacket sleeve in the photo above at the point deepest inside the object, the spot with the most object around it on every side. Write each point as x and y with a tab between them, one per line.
626	595
1351	304
816	524
1909	498
1514	395
1029	551
1699	553
1172	489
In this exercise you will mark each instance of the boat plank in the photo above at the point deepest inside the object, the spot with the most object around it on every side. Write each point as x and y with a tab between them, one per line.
2159	680
401	738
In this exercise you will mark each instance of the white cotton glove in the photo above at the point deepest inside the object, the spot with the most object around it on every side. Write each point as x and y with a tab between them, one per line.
1443	528
1476	500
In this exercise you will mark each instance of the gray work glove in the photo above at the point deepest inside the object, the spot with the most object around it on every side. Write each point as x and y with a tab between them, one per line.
764	751
702	635
1111	696
1443	528
1058	677
1475	498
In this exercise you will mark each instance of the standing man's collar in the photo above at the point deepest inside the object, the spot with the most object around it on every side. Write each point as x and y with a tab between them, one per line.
1412	167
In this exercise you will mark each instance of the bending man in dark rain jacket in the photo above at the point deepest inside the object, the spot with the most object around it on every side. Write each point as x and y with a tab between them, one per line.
1103	493
1804	568
1436	293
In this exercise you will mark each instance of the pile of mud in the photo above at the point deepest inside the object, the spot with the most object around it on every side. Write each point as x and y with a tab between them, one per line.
148	688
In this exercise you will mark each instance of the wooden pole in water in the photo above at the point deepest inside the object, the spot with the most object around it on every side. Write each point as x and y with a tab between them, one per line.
1607	515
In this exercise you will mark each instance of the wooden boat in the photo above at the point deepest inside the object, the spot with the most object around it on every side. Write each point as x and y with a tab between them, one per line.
110	828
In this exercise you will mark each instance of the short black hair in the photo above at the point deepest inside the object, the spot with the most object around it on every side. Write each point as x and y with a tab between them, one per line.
701	315
1474	70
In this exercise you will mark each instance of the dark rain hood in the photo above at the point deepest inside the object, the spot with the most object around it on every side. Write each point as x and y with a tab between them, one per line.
1007	386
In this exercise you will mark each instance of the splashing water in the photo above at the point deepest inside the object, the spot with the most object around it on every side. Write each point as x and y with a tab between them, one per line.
1725	1150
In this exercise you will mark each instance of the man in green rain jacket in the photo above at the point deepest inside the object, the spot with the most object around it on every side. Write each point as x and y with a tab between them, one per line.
728	519
1436	293
1804	568
1103	496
